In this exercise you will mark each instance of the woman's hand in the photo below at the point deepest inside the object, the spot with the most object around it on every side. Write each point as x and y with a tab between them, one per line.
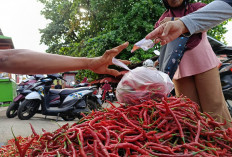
100	64
166	19
167	32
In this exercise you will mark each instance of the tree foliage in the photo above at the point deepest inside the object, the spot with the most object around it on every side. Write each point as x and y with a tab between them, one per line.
86	28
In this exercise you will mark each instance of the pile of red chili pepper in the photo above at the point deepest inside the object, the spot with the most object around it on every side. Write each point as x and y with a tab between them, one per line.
172	127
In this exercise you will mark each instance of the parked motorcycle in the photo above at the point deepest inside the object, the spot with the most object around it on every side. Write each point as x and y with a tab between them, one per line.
108	95
22	90
70	103
226	81
81	85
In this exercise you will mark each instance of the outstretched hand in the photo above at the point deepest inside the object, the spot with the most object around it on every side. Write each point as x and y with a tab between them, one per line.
100	64
167	32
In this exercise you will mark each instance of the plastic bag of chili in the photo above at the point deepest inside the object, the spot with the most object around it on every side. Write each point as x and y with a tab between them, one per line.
142	84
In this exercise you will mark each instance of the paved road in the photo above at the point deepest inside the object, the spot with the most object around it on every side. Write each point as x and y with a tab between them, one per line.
22	127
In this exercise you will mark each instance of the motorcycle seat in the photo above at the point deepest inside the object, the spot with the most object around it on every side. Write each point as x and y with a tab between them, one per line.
55	91
69	91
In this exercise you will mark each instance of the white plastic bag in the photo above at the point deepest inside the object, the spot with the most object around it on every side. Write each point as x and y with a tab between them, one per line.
142	84
144	44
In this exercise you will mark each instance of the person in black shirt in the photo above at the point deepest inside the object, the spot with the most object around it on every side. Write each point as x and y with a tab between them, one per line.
58	86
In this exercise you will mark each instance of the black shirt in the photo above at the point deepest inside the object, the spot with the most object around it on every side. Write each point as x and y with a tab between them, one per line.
58	86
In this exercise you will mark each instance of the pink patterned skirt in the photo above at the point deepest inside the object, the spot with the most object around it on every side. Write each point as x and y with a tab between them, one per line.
197	60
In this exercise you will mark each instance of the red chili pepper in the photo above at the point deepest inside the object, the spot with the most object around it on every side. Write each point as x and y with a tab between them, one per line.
211	118
99	142
141	115
114	127
217	124
177	122
74	152
82	152
212	146
128	121
17	144
54	152
130	139
162	123
223	144
128	145
94	121
33	130
121	135
95	148
101	132
196	150
145	116
153	124
113	155
26	147
198	131
107	136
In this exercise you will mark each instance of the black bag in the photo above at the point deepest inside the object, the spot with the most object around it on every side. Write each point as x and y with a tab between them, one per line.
171	54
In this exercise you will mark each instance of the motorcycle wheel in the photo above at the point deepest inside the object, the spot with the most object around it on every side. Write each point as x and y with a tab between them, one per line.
228	98
111	98
28	109
67	117
93	105
12	109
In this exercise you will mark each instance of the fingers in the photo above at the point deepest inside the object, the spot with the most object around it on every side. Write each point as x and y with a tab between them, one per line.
152	35
157	40
155	33
163	42
166	29
125	61
115	51
156	63
112	72
163	21
121	47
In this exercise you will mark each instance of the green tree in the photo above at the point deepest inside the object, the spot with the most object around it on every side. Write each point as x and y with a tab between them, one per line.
89	27
103	25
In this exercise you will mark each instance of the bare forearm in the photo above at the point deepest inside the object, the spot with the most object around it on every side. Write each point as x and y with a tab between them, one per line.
31	62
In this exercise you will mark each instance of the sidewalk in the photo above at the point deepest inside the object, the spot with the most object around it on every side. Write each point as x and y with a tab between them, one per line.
3	108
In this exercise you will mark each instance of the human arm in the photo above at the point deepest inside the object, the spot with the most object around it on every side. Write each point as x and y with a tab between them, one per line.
20	61
208	16
199	20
